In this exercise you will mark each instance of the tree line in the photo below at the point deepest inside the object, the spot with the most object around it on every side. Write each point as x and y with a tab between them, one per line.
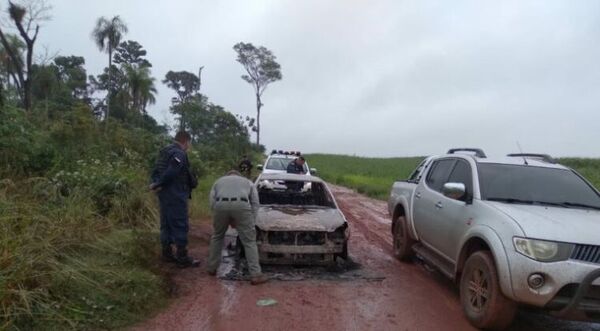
126	87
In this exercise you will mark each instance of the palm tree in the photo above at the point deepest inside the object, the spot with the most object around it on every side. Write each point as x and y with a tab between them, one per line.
140	86
107	34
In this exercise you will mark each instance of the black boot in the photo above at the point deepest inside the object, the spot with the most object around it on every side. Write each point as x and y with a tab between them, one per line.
167	254
184	260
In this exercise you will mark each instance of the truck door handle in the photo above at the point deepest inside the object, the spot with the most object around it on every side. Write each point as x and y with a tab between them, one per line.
439	205
418	195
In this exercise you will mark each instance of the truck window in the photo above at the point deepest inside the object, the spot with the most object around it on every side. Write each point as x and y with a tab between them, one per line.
439	173
462	174
416	175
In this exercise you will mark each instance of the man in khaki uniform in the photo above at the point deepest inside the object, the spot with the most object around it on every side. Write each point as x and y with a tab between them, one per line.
234	201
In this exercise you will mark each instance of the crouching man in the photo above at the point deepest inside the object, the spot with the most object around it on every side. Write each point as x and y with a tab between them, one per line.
234	201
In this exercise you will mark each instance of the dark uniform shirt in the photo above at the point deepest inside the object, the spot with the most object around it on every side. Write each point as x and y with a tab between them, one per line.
294	168
172	173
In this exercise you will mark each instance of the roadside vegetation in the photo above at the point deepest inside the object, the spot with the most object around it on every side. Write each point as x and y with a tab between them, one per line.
374	176
79	229
369	176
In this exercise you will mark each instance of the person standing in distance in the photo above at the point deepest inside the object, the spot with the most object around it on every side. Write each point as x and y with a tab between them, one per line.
173	181
234	201
245	167
296	166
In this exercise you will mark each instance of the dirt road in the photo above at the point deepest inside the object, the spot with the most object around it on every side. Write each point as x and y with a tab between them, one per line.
394	296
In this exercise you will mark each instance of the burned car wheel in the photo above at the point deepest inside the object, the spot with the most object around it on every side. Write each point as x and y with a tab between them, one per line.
480	295
403	242
344	253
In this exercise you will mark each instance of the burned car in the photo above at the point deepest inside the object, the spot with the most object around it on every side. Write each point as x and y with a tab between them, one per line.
298	221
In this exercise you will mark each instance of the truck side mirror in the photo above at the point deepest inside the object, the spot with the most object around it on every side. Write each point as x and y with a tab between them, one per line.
313	171
259	167
456	191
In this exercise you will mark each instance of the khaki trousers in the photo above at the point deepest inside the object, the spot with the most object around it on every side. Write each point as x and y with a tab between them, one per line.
238	214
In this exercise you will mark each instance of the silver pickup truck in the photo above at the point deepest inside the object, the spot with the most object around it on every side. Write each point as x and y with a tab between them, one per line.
517	230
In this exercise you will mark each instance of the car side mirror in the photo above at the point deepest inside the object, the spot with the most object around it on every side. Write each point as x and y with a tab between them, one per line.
455	191
259	167
313	171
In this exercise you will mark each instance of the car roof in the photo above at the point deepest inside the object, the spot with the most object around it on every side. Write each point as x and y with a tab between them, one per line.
512	160
290	177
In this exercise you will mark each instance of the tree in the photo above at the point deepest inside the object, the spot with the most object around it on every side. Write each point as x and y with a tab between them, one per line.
24	18
44	83
107	34
184	83
132	53
72	74
262	70
140	86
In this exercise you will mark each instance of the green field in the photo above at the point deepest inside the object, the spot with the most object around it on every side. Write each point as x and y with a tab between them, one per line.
374	176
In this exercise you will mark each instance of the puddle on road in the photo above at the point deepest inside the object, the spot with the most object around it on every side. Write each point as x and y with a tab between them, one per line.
235	269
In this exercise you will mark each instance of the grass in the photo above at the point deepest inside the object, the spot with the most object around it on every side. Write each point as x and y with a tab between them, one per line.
370	176
199	207
65	266
66	263
374	176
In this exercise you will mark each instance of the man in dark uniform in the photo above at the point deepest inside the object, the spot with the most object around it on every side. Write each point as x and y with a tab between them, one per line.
173	181
296	166
246	167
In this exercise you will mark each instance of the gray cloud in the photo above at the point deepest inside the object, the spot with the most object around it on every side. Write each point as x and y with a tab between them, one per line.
377	78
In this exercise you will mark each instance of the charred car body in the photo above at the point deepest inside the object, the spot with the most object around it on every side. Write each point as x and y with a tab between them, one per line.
298	221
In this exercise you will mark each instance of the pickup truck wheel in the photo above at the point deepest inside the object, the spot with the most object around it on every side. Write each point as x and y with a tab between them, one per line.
403	242
480	295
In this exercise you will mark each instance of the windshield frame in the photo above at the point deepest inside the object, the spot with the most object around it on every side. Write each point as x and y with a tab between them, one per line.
328	195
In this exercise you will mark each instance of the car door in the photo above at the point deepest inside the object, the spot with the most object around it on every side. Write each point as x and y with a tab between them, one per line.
454	215
427	198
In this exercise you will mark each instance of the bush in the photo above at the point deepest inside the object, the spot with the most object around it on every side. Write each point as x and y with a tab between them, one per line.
79	228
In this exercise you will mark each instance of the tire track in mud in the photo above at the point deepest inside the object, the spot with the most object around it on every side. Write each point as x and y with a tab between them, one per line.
361	214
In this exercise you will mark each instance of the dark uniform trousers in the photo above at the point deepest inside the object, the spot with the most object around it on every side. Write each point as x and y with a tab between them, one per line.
173	175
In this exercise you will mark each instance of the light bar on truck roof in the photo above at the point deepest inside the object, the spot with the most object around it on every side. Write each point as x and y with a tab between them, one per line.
296	153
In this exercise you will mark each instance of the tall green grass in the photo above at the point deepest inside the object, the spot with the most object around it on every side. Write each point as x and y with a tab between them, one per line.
199	206
65	265
370	176
375	176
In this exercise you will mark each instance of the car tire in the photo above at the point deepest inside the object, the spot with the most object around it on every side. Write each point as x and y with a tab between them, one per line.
481	298
403	242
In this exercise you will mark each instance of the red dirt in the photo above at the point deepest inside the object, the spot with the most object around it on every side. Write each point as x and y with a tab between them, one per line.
409	298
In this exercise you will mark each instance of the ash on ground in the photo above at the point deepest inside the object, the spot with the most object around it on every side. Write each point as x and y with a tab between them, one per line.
236	269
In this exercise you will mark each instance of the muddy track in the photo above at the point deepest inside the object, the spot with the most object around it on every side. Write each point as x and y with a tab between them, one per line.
400	296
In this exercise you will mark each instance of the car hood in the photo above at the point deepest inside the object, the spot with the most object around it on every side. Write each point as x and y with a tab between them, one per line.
292	218
572	225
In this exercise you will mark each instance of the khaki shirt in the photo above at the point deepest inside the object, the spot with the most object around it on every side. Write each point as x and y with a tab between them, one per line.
234	186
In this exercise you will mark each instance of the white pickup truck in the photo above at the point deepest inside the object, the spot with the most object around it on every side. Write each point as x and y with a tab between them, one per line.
520	229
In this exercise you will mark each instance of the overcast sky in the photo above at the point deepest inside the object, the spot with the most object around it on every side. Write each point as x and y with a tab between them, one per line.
376	78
